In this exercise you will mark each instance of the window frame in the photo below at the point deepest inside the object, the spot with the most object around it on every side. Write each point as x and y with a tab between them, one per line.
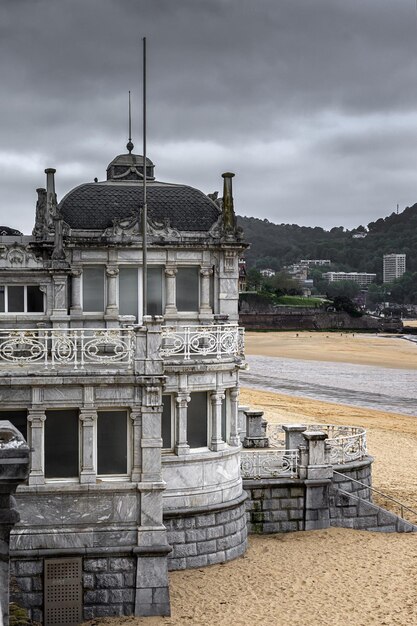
173	424
208	422
63	479
198	269
129	444
25	299
93	266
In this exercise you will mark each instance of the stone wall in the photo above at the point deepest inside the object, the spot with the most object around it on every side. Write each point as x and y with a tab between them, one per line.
200	538
108	586
306	318
349	511
274	506
360	471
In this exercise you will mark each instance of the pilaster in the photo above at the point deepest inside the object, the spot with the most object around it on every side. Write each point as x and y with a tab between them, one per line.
112	310
76	307
181	405
170	292
36	421
206	311
234	417
88	419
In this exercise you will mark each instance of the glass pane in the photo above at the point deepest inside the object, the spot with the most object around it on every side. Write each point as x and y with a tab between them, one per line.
61	444
34	299
166	422
2	299
197	420
112	442
16	299
93	289
187	288
224	419
128	291
154	290
18	419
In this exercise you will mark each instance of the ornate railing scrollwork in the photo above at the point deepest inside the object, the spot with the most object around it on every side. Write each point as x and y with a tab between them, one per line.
73	347
264	463
345	443
226	340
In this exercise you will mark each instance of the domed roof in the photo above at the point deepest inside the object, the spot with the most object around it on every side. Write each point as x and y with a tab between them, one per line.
129	160
96	205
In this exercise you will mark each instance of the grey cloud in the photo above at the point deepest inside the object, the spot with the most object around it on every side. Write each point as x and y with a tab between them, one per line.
233	84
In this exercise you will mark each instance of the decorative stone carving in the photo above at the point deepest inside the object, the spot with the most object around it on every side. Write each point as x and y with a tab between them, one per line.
18	256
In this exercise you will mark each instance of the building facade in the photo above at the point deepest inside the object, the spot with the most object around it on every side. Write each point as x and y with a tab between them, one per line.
393	267
132	419
362	278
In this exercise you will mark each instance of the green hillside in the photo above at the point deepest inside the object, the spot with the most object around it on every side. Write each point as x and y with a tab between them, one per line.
277	245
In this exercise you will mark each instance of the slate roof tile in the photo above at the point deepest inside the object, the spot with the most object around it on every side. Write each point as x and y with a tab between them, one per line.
96	205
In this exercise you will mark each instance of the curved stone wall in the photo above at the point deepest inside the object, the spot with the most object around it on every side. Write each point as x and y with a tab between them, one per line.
201	479
201	537
358	470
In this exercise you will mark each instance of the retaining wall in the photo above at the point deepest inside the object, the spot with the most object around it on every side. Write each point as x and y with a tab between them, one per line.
203	537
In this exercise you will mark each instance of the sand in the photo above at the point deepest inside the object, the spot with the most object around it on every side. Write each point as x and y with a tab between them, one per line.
336	577
363	349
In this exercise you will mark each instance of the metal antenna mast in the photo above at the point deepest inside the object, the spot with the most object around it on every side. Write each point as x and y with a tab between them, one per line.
145	206
129	143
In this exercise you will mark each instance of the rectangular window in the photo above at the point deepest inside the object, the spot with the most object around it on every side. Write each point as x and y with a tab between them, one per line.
34	299
93	289
18	419
197	420
21	299
166	422
61	444
16	299
128	291
112	442
155	286
188	288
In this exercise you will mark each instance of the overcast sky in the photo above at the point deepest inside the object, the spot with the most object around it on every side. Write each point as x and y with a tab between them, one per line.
312	103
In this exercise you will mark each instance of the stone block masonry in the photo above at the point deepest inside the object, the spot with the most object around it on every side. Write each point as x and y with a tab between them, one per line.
215	535
274	506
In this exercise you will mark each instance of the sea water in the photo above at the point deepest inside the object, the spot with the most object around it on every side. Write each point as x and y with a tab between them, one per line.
381	388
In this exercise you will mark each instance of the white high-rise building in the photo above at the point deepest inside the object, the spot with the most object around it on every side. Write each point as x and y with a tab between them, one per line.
394	266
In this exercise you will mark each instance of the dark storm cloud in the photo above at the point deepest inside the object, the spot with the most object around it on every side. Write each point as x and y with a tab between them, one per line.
310	102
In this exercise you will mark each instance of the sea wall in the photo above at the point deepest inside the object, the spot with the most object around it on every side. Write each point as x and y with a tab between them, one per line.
306	318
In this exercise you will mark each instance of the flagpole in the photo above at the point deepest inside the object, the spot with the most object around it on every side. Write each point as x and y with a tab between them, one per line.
145	206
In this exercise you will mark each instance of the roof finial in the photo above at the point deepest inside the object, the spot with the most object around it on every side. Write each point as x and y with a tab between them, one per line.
129	144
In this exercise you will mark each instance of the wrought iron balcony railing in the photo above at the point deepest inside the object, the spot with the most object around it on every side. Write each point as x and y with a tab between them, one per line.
345	443
215	341
74	347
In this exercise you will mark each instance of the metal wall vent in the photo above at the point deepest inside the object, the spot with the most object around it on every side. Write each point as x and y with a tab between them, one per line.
63	592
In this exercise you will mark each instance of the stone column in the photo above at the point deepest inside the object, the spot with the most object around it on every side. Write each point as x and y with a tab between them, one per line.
205	308
14	467
317	483
217	442
170	292
76	307
112	310
294	435
152	590
234	417
88	418
181	405
255	430
241	416
136	417
36	420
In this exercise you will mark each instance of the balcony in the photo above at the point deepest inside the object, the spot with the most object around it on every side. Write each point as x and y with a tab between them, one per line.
196	342
78	348
44	350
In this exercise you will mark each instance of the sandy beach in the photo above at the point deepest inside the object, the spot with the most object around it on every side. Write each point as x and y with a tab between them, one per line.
335	577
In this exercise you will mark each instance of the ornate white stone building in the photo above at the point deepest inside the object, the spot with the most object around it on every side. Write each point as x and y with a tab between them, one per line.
132	420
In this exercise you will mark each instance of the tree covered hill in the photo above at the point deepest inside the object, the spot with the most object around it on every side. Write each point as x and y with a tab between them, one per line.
277	245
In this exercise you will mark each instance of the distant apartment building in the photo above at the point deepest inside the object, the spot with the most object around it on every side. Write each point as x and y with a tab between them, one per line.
362	278
315	262
267	272
297	272
394	267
